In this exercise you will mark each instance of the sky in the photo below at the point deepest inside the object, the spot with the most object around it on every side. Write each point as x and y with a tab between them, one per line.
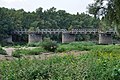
71	6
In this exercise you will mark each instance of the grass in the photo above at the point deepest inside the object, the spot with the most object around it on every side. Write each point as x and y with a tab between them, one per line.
104	66
91	66
2	52
19	52
101	63
56	68
87	46
34	44
81	46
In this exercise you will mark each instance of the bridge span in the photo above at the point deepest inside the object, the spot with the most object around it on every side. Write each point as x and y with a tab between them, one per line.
67	35
58	31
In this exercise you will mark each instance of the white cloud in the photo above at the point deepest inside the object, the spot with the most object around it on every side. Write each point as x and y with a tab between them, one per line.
71	6
11	1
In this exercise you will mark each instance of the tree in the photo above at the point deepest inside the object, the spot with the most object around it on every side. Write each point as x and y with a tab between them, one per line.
11	19
107	9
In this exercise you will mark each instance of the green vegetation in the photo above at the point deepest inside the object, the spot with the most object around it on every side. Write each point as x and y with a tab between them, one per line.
105	65
3	52
108	10
88	46
11	19
102	65
80	46
106	48
34	44
46	46
49	45
54	68
102	62
19	52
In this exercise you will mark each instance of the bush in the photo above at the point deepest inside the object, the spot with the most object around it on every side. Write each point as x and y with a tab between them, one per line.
61	49
82	67
19	52
83	43
104	66
49	45
4	43
3	52
81	46
34	44
31	45
106	48
56	68
65	48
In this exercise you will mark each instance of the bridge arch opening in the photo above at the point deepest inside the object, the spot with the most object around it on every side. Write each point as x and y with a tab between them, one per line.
20	39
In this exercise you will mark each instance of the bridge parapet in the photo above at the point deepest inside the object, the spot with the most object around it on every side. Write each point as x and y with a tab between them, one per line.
57	31
110	31
105	37
84	31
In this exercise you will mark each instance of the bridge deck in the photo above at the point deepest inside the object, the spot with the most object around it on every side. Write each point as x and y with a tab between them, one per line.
57	31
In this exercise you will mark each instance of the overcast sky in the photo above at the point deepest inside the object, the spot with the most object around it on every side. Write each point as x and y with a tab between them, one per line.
71	6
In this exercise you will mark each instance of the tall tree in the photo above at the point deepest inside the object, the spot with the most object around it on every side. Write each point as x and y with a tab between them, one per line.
11	19
109	10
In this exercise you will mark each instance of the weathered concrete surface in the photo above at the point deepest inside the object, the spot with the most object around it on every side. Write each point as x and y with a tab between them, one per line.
34	38
105	38
67	37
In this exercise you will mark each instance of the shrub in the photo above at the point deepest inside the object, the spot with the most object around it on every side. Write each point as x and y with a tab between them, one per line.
55	68
34	44
61	49
19	52
81	46
106	48
3	52
83	43
65	48
104	66
18	46
49	45
91	66
102	63
4	43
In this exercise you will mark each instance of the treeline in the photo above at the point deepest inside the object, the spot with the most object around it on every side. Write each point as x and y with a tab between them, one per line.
11	19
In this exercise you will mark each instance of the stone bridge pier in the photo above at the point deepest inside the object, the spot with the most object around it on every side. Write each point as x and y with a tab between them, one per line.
32	37
105	38
67	37
9	39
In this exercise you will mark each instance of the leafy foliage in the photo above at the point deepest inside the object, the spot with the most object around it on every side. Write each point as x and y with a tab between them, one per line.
91	66
49	45
81	46
3	52
19	52
104	65
109	10
11	19
67	67
34	44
